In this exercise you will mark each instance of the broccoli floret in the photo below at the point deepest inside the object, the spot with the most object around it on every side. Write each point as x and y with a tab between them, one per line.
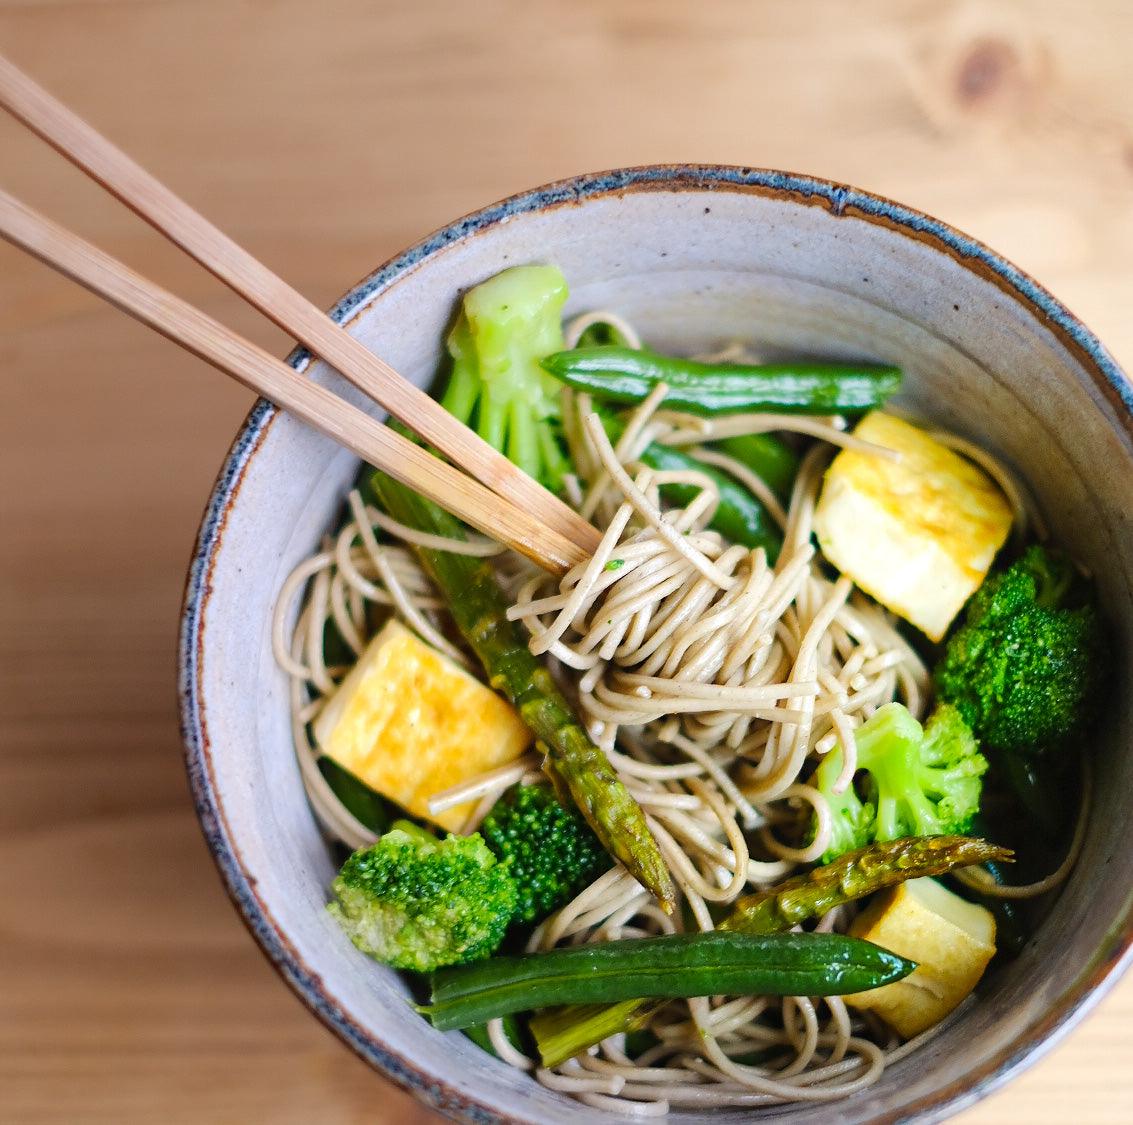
851	820
910	781
506	326
1027	665
415	902
552	852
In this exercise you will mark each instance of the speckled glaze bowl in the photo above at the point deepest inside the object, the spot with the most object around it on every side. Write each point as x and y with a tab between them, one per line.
695	256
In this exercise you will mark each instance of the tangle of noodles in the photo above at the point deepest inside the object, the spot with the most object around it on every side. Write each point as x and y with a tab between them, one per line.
713	678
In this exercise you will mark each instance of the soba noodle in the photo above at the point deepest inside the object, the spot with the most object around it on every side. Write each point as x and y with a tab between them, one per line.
714	678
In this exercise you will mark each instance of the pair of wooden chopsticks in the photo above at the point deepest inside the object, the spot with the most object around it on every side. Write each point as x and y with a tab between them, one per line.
501	501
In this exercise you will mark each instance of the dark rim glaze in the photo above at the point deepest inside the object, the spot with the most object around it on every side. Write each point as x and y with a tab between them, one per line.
840	200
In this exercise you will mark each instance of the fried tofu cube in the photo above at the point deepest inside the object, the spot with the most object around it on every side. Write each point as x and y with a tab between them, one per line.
918	534
409	722
951	940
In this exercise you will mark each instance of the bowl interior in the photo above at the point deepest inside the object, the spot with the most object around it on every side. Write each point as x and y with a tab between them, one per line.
695	259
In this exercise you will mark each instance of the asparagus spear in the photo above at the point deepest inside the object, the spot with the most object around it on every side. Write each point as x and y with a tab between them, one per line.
854	875
561	1033
851	876
479	609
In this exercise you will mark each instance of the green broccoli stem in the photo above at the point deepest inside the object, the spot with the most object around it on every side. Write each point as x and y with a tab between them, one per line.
479	609
555	463
506	325
850	877
522	444
464	382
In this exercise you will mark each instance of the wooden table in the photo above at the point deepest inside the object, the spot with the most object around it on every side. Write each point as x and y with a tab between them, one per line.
325	137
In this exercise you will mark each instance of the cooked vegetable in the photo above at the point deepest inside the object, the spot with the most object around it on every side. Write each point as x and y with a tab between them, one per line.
601	332
478	1033
1011	929
671	966
565	1032
739	515
953	941
1044	786
918	781
771	459
507	324
415	902
479	609
552	852
678	660
456	729
619	374
562	1033
854	875
366	806
1028	665
920	533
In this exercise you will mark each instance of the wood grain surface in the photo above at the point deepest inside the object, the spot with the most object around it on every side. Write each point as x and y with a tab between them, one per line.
326	136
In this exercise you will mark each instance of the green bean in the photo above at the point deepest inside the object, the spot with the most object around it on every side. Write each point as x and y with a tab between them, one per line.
771	459
851	876
667	967
619	374
740	517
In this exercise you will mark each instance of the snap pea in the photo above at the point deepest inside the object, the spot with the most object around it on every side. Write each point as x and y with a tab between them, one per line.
740	517
772	460
666	967
367	807
619	374
1040	785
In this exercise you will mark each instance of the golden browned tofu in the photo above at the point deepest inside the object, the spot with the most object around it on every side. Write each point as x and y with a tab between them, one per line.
917	534
951	940
410	722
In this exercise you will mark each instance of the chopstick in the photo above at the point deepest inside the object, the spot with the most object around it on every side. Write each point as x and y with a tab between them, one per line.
172	216
275	380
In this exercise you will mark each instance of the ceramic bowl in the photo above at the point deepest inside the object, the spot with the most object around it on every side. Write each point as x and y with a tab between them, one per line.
695	256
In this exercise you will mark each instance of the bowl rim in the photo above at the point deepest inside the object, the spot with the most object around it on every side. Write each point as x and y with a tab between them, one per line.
840	200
